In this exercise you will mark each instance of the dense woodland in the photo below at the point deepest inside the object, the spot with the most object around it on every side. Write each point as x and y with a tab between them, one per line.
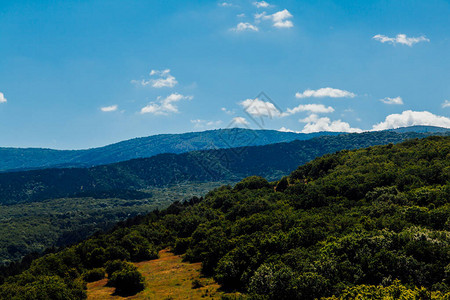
119	179
373	223
32	158
44	208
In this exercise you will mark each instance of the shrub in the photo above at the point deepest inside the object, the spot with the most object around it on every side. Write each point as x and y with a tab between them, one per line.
127	281
94	275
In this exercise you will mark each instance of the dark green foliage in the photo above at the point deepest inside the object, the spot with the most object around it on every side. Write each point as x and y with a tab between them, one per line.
269	161
345	223
127	280
94	274
17	158
252	183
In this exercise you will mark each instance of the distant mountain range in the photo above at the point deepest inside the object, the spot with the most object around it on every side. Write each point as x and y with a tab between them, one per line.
270	161
19	159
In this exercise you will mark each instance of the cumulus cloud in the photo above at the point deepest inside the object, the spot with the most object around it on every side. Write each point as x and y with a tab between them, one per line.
109	108
325	92
400	39
411	118
243	26
313	108
260	4
396	100
284	129
260	108
240	121
2	98
316	124
165	79
198	123
445	104
279	19
166	105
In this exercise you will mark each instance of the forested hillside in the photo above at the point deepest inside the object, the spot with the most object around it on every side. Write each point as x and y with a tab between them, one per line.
269	161
366	224
32	158
16	159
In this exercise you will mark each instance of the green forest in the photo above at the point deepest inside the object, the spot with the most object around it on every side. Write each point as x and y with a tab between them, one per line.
372	223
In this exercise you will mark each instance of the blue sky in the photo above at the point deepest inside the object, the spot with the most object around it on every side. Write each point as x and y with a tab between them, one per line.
79	74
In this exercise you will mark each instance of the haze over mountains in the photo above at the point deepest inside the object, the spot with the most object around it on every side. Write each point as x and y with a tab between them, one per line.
16	159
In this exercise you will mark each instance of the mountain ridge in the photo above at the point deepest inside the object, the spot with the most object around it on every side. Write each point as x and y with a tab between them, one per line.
20	159
270	161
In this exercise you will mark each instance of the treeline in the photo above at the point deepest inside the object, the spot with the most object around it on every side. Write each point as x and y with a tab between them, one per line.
369	224
270	161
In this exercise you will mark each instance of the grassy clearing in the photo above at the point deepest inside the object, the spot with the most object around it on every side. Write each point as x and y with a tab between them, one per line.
165	278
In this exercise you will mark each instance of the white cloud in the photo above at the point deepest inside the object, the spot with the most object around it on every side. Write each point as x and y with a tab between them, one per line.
164	80
261	4
259	108
225	4
2	98
240	121
279	19
314	108
400	39
325	92
284	129
396	100
165	106
410	118
228	112
109	108
241	15
316	124
445	104
243	26
198	123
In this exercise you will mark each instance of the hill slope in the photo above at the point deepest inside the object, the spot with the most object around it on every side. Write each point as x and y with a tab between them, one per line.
16	159
270	161
364	224
31	158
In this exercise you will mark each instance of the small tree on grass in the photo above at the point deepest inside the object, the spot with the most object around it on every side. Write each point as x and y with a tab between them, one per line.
127	279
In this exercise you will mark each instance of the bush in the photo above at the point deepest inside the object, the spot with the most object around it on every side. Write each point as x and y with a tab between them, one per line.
94	275
127	281
252	183
115	265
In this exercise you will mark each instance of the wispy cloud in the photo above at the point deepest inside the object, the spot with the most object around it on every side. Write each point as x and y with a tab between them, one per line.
166	105
261	4
225	4
279	19
325	92
243	26
410	118
316	124
228	112
2	98
313	108
198	123
400	39
445	104
109	108
396	100
165	79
